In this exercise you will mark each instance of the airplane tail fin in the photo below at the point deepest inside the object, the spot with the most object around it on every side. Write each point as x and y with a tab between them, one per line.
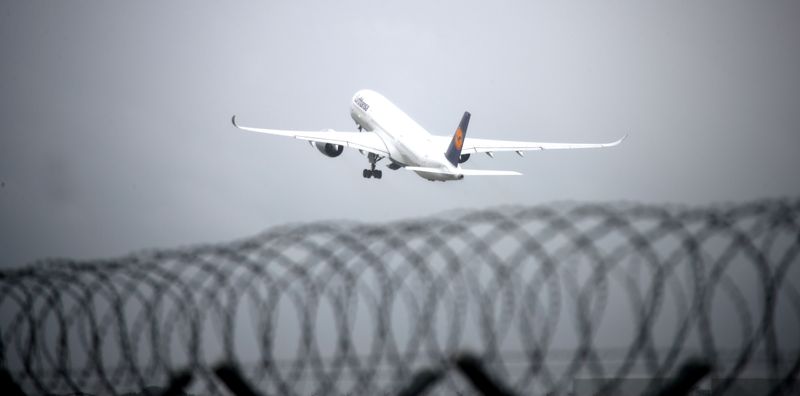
454	150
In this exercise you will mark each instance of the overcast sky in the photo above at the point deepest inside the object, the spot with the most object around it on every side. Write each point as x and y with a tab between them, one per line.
116	131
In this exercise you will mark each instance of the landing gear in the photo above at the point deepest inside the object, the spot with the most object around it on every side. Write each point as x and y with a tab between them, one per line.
372	172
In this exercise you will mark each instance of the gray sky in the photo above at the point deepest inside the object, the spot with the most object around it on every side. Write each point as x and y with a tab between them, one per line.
116	130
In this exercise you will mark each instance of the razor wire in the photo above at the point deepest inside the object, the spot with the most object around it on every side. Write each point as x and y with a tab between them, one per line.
556	299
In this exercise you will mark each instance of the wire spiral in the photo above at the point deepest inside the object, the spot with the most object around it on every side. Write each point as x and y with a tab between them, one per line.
547	296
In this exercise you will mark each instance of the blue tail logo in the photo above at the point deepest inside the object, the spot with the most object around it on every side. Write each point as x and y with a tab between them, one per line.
454	150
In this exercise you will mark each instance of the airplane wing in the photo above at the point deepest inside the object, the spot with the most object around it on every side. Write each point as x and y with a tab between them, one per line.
473	145
365	141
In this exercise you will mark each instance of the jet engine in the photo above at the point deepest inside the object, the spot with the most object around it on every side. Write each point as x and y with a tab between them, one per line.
329	149
463	158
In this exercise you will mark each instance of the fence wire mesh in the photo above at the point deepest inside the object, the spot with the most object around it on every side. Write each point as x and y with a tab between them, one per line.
559	299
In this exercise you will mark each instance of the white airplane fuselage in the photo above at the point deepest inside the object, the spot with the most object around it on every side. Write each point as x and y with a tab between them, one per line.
407	142
385	131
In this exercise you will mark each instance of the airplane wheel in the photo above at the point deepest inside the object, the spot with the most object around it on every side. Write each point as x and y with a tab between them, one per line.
378	174
367	173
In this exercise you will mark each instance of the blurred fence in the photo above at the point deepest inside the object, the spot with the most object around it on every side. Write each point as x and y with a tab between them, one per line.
563	299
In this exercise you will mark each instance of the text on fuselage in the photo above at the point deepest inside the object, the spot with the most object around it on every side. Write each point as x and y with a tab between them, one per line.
361	103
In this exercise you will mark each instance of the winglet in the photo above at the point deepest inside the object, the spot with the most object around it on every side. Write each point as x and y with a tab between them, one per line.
618	141
233	120
454	150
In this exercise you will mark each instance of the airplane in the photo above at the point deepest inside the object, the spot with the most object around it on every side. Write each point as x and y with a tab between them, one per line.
386	132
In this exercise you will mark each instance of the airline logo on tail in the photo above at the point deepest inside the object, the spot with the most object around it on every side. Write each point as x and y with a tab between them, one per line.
454	151
459	139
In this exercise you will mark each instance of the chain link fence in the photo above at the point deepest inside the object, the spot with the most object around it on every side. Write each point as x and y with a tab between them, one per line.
565	299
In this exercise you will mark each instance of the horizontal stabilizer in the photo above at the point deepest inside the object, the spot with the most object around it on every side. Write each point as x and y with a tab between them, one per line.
464	172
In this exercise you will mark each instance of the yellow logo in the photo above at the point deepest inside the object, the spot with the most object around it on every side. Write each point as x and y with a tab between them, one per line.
458	139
